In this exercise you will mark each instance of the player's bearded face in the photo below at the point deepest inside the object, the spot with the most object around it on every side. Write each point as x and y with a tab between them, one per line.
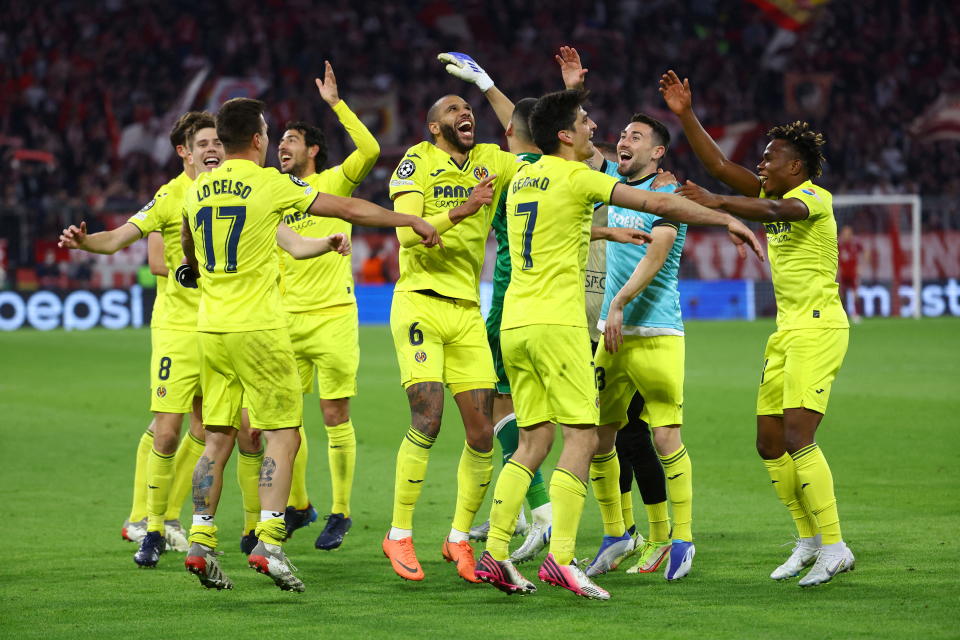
635	149
460	137
292	153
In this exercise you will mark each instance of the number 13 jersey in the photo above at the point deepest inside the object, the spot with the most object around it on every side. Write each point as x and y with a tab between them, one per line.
549	215
233	213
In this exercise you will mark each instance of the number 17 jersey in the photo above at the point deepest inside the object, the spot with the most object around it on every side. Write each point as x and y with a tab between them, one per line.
549	215
233	213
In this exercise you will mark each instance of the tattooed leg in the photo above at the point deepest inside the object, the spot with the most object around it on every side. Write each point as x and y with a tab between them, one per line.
426	407
276	472
476	410
208	474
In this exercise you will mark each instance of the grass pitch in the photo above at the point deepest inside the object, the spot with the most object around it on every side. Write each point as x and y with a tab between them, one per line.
72	406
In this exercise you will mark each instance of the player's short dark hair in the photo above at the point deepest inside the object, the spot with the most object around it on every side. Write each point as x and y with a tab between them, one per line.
312	136
805	142
660	131
203	120
553	113
237	120
178	133
521	119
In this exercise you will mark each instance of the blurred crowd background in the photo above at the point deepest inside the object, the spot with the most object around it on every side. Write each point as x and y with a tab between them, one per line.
89	90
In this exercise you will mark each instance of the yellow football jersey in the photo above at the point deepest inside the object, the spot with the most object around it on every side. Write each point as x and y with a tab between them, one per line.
549	213
327	280
454	269
175	306
803	261
234	212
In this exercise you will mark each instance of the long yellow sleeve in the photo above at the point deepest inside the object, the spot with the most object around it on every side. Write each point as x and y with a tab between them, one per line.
412	202
359	163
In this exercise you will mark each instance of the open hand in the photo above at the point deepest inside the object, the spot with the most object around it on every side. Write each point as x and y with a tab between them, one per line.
328	86
623	235
570	68
693	191
613	329
676	94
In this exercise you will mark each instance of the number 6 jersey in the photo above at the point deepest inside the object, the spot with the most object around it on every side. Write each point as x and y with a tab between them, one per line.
233	213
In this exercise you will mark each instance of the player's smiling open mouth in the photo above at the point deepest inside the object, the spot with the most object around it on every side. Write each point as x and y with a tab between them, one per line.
212	161
285	157
465	128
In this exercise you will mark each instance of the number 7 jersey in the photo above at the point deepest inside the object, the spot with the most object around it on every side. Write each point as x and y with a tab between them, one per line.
549	215
233	213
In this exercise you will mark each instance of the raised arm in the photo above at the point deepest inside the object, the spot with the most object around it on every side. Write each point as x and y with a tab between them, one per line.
756	209
359	163
302	248
663	239
158	266
679	99
411	203
673	207
466	68
573	75
367	214
103	242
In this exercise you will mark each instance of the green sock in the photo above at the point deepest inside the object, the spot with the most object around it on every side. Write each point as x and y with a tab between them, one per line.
508	435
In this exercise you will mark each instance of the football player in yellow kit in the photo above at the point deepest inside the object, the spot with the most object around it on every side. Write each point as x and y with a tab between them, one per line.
322	320
803	357
231	221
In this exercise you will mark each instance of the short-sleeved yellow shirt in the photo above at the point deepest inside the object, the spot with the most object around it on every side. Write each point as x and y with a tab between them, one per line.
549	214
454	269
175	306
234	212
803	263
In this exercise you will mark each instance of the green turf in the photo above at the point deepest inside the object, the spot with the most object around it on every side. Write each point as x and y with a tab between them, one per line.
72	407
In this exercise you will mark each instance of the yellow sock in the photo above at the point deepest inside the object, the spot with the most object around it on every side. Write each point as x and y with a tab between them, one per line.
298	486
626	508
658	515
412	459
159	478
473	477
203	534
248	475
605	477
783	476
139	510
567	493
679	473
188	453
816	484
508	494
342	456
272	531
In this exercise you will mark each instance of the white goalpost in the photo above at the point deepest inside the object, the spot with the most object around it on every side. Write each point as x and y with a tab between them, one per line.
851	203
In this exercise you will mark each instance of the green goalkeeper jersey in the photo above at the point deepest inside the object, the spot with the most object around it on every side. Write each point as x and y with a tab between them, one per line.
501	272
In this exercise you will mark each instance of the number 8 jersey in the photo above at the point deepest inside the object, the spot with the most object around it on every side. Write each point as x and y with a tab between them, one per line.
549	215
233	213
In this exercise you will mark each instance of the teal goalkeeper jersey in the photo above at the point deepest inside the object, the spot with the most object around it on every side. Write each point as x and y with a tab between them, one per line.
501	272
656	311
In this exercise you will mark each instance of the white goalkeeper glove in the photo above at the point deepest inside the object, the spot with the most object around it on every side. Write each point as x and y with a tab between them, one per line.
466	68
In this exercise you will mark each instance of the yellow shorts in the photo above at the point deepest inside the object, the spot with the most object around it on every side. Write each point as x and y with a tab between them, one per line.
441	340
174	370
550	369
253	369
651	365
799	366
326	345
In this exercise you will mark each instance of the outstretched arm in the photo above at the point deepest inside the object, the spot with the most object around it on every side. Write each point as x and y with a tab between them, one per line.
673	207
301	247
623	235
757	209
466	68
679	99
104	242
663	239
359	163
367	214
